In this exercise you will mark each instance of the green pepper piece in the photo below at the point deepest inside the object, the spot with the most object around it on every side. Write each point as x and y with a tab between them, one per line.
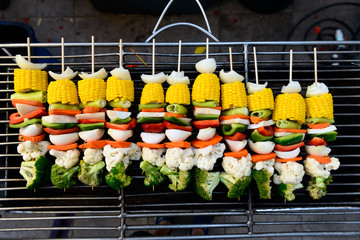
101	103
319	120
208	104
328	137
287	124
39	96
289	139
236	111
206	116
263	114
90	126
151	106
231	129
176	108
120	104
57	125
121	121
149	120
63	106
258	137
176	120
25	123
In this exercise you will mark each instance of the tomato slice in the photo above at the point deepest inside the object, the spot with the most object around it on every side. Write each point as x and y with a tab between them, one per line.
266	131
170	125
316	141
318	125
236	137
207	123
60	131
222	118
15	117
127	126
91	120
153	127
177	115
288	148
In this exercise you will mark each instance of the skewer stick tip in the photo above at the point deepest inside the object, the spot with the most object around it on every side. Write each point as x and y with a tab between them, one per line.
179	56
315	66
291	65
231	61
207	48
120	53
153	57
28	49
92	54
62	55
256	69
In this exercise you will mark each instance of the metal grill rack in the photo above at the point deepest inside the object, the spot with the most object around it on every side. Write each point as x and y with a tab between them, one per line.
81	213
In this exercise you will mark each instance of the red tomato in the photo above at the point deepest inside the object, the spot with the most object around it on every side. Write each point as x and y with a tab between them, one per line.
283	148
316	141
60	131
236	137
206	123
153	127
266	131
170	125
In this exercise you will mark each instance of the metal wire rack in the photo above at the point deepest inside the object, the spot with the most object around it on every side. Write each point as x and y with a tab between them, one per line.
102	213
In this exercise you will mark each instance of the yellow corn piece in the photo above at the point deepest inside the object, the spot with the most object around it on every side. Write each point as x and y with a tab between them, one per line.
261	100
289	106
62	91
91	90
233	95
30	80
320	107
117	89
206	87
178	94
152	93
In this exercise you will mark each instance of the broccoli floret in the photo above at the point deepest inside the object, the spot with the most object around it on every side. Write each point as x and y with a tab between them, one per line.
91	174
262	179
206	182
317	186
36	173
63	178
236	186
117	178
153	176
286	190
179	180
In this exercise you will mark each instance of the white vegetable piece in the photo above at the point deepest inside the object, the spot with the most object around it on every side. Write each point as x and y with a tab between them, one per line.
316	90
67	74
179	158
315	169
66	159
120	135
64	139
187	120
178	78
201	110
265	147
32	150
320	151
91	135
115	155
97	115
205	158
261	124
230	77
292	87
154	156
330	128
236	146
176	135
281	134
117	114
265	165
206	65
206	133
289	173
288	154
121	73
157	78
27	65
24	109
235	120
60	119
237	168
93	155
31	130
101	74
152	138
253	87
151	114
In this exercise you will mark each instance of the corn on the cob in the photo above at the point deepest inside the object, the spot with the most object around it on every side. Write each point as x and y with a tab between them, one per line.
117	89
261	100
206	87
62	91
290	106
152	93
320	107
178	94
91	90
30	80
233	95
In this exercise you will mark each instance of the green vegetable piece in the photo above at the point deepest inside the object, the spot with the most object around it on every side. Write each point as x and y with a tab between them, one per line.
120	104
63	178
149	120
25	123
153	176
121	121
179	180
287	124
289	139
236	111
236	186
206	116
39	96
287	190
101	103
258	137
317	186
328	137
262	179
231	129
57	125
117	178
36	173
90	126
91	174
319	120
176	120
205	183
263	114
63	106
176	108
207	104
151	106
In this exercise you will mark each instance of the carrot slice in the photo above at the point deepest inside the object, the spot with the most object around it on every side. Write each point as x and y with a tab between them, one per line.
263	157
202	144
318	125
256	120
153	110
218	108
222	118
116	144
289	130
27	102
94	144
238	155
177	115
182	144
63	147
91	109
283	160
64	112
323	160
37	138
121	109
148	145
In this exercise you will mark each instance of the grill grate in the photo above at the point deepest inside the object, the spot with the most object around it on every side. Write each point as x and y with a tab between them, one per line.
104	214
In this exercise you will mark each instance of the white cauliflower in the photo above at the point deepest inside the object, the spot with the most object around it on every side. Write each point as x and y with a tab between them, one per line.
93	155
315	169
134	152
154	156
115	155
32	150
205	158
179	158
289	173
265	165
237	168
66	159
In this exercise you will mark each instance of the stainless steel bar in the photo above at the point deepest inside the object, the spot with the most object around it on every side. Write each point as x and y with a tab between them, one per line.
56	218
185	226
56	228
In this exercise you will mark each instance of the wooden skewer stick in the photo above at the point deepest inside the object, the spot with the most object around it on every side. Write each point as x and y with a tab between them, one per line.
92	55
28	49
207	48
231	63
256	69
62	56
315	66
179	57
120	53
291	65
153	57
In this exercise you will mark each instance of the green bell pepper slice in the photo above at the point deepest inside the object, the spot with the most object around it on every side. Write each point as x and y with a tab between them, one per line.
120	104
236	111
328	137
101	103
63	106
25	123
90	126
319	120
263	114
257	137
207	104
176	108
39	96
231	129
151	106
206	116
149	120
287	124
176	120
121	121
57	125
289	139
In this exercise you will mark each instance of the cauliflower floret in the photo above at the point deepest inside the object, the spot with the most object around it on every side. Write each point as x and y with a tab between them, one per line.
289	173
237	168
32	150
315	169
205	158
66	159
265	165
93	155
154	156
179	158
115	155
134	152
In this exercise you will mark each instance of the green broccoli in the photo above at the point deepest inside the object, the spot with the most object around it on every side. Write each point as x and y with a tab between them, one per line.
153	175
317	186
236	186
63	178
286	190
179	180
36	173
117	178
91	174
262	179
206	182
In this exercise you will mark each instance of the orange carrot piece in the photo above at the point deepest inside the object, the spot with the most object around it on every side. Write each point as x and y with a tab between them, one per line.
121	109
181	144
256	120
148	145
262	157
318	125
177	115
291	130
202	144
37	138
153	110
283	160
91	109
218	108
63	147
64	112
117	144
94	144
237	155
222	118
323	160
27	102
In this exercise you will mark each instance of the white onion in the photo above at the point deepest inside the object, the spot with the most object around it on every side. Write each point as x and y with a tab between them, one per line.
265	147
206	133
253	87
97	115
261	124
316	90
64	139
176	135
91	135
292	87
151	114
288	154
178	78
330	128
201	110
320	151
121	73
230	77
157	78
101	74
67	74
207	65
236	146
120	135
24	109
60	119
235	120
152	138
27	65
31	130
117	114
